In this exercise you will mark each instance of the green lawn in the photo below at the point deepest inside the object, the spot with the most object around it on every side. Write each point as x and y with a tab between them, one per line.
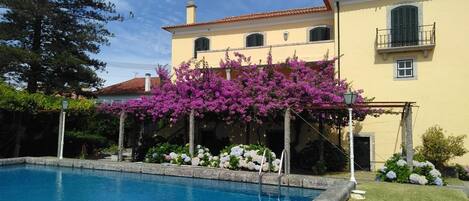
384	191
381	191
454	181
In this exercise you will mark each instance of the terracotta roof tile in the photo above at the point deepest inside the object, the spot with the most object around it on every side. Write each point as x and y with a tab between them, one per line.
133	86
298	11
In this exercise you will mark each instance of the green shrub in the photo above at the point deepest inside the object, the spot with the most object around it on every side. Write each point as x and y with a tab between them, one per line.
83	143
111	150
396	169
319	168
439	149
334	158
463	172
159	153
392	167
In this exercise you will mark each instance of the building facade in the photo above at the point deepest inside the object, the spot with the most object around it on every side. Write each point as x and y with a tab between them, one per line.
128	90
396	50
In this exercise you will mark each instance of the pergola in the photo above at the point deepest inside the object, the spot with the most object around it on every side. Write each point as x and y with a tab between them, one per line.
405	123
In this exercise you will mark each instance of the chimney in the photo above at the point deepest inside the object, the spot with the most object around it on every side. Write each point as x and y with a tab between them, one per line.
147	82
190	12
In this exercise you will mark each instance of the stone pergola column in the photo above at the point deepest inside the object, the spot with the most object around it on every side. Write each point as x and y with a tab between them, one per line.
122	118
409	145
287	140
403	131
191	132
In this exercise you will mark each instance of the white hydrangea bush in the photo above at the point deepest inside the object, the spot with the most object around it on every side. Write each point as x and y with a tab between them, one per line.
396	169
179	158
248	157
203	157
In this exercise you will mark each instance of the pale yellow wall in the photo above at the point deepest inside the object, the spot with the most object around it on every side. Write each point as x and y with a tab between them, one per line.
183	44
440	89
305	51
190	14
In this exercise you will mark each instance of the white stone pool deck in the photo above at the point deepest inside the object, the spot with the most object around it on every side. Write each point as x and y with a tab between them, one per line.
334	189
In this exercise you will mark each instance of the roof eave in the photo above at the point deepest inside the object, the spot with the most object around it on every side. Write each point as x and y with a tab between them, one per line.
320	9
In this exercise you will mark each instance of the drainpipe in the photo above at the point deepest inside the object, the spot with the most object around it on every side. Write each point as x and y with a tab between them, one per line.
338	38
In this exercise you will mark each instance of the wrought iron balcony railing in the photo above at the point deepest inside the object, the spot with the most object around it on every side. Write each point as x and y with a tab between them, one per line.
406	38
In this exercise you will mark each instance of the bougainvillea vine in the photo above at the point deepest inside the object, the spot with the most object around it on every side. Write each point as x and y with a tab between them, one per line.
256	94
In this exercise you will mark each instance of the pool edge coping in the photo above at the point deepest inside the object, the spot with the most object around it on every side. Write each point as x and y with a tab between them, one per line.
334	189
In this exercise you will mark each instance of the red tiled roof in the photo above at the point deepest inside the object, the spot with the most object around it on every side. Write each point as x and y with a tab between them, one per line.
298	11
133	86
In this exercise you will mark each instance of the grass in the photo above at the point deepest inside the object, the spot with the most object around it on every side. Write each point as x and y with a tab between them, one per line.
454	181
359	175
381	191
384	191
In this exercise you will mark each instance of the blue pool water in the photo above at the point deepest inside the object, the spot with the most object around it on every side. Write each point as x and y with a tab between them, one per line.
41	183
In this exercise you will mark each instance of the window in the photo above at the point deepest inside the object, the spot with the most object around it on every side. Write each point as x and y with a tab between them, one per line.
319	33
254	40
201	44
404	26
405	68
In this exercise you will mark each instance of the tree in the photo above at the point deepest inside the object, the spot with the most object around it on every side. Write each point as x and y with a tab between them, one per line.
439	149
21	105
46	44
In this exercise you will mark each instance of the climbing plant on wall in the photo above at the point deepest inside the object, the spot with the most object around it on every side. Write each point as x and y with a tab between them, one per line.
256	94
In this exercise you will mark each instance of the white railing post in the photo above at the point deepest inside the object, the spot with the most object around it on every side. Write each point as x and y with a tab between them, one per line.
60	146
352	161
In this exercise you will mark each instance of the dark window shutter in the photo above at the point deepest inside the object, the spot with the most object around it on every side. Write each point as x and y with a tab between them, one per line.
404	26
201	44
254	40
319	33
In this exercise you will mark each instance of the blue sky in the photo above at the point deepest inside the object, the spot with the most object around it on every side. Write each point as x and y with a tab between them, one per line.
140	43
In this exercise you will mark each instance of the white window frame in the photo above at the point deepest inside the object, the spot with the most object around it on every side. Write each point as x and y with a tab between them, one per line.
413	68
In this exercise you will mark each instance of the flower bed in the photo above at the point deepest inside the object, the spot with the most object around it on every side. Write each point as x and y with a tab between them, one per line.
248	157
396	169
234	157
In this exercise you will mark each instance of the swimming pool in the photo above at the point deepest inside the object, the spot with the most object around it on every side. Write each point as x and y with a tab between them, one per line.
46	183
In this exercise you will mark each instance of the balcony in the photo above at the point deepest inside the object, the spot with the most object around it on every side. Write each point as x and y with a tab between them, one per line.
406	39
307	51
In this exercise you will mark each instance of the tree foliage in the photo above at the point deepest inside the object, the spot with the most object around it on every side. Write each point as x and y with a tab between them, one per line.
23	101
439	149
46	44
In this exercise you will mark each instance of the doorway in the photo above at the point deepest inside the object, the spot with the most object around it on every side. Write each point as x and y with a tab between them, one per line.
362	152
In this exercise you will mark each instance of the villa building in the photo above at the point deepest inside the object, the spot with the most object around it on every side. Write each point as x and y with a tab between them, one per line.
396	50
128	90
